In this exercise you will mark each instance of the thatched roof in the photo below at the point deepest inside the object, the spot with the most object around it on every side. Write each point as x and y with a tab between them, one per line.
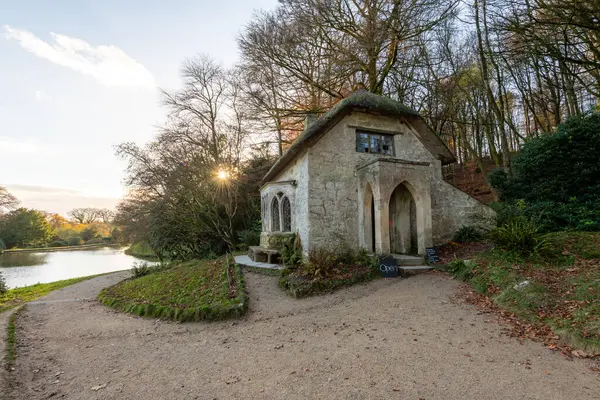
363	101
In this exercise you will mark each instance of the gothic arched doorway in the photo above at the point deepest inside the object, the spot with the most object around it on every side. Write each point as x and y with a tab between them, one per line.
403	221
369	219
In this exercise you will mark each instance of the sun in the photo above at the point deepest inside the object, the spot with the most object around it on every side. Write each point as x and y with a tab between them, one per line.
222	175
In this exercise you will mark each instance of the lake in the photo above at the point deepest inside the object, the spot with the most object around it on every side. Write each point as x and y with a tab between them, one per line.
24	268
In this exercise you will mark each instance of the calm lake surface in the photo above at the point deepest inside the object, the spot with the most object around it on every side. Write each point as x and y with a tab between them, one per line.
24	269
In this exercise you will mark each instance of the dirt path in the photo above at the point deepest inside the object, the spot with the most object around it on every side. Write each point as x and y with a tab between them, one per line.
403	339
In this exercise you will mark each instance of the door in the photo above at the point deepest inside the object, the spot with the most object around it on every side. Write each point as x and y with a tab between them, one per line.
403	218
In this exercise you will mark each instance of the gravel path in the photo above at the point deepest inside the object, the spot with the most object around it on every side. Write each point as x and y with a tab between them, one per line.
390	339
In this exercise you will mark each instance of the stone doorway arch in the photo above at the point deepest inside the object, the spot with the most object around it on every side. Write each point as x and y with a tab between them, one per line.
369	218
404	237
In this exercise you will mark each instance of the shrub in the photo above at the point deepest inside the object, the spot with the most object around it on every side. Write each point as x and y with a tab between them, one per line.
140	269
2	244
3	287
58	243
291	251
96	240
319	264
248	237
467	234
520	235
74	241
556	176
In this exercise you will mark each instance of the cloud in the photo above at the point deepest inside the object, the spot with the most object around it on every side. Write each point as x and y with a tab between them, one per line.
108	64
40	95
57	200
42	189
8	145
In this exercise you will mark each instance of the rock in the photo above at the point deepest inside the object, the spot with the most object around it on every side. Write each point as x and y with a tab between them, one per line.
520	286
96	388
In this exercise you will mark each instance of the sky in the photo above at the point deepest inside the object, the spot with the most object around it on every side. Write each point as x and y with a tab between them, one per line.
78	77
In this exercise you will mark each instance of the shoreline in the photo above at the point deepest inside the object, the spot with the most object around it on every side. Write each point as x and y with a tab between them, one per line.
64	248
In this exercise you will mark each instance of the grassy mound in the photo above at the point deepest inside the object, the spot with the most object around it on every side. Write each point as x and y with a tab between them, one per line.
558	292
191	291
141	250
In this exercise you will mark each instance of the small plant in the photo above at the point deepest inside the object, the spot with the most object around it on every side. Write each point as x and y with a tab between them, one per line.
249	237
3	287
520	235
291	252
364	258
467	234
320	264
140	269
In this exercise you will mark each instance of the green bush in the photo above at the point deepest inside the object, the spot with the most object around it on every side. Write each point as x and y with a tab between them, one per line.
468	234
74	241
140	269
520	235
58	243
248	237
556	176
3	287
291	251
97	240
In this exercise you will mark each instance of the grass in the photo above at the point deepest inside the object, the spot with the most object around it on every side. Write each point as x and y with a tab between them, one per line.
11	340
141	250
190	291
563	290
15	297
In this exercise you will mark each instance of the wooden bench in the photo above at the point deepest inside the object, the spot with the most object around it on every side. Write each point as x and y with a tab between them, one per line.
260	254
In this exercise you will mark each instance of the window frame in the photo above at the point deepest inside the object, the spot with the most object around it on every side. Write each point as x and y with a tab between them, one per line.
277	215
380	136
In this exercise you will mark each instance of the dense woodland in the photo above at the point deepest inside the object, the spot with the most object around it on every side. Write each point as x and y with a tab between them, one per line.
488	76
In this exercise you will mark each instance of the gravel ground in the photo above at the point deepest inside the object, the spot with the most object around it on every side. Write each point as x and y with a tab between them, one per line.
389	339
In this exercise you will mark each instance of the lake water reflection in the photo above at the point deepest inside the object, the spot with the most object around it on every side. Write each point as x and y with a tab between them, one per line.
24	269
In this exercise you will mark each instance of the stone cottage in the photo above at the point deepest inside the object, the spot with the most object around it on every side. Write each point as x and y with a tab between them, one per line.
368	173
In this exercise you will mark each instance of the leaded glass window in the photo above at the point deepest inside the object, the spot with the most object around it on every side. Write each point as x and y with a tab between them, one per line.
376	143
286	214
275	215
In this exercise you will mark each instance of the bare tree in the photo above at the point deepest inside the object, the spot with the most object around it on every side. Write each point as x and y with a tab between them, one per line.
86	215
7	200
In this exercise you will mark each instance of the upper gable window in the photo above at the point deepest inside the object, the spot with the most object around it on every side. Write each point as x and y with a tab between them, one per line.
376	143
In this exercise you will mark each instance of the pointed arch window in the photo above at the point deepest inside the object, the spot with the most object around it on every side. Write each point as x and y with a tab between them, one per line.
286	214
281	213
275	215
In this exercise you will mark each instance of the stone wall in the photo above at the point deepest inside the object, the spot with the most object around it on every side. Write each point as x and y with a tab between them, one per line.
326	186
334	201
452	208
293	181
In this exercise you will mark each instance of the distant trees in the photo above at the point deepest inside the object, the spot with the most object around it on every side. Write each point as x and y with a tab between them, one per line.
25	227
88	215
7	200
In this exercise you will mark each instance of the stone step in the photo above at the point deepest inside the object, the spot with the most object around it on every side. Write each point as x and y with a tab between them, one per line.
403	259
413	270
